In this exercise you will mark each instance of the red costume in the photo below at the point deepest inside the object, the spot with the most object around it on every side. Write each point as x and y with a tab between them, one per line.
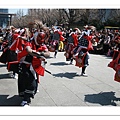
84	45
31	65
36	63
72	42
115	65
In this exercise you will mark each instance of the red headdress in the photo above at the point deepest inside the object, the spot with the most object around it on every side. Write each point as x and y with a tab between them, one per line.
40	37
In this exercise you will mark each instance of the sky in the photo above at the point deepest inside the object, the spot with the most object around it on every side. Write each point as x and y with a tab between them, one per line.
14	11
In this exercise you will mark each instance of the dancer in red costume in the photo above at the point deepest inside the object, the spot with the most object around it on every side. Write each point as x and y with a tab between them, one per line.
115	64
31	65
9	53
81	52
57	37
72	42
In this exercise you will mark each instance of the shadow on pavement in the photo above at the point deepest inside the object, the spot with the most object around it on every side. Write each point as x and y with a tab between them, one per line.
5	100
4	76
59	63
3	65
49	57
67	75
102	98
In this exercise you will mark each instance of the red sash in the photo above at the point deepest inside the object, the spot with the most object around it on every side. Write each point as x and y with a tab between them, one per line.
80	61
117	74
113	64
36	63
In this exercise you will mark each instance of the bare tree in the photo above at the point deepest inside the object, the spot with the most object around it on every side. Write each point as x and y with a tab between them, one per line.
70	17
115	15
19	20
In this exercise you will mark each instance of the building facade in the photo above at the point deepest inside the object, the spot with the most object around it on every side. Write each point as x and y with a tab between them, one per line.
4	19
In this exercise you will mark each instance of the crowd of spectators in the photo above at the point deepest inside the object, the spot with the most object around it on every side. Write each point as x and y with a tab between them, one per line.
104	41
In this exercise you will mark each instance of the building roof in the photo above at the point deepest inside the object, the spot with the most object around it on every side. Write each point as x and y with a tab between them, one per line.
1	13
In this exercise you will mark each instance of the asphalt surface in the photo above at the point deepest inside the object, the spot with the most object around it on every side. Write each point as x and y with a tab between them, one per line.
64	87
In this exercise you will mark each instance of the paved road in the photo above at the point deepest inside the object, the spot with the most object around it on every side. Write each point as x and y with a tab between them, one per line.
65	87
